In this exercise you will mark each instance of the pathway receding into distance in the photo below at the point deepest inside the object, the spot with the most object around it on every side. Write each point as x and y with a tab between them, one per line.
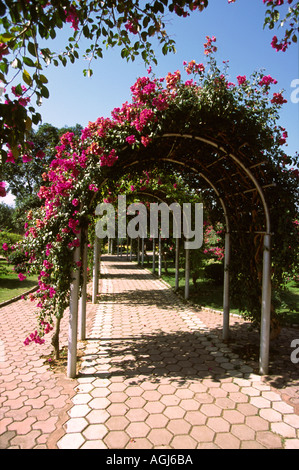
153	375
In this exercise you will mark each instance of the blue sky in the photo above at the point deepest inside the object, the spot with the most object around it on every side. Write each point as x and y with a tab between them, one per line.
241	39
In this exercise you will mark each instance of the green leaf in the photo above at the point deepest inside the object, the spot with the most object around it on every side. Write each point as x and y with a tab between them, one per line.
29	62
27	78
31	49
43	79
45	92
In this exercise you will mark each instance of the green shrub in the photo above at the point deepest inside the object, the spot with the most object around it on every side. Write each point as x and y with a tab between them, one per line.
10	239
215	272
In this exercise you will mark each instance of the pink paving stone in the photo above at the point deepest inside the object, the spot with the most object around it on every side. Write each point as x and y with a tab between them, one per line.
202	434
75	424
227	441
211	410
138	430
154	407
22	427
99	403
71	441
116	440
117	409
136	414
233	416
204	397
195	417
135	402
257	423
251	445
174	412
151	395
117	423
170	400
189	404
96	444
225	403
218	424
95	431
179	426
134	391
260	402
47	426
198	387
269	440
283	429
157	420
97	416
26	441
270	415
242	432
160	437
183	442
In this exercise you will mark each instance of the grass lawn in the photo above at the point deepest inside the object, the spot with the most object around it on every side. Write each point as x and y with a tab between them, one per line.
10	285
210	295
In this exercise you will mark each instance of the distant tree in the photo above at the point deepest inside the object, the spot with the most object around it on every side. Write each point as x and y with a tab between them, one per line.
6	217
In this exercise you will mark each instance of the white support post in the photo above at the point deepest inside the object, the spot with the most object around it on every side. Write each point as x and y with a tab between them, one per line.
73	318
160	257
111	246
95	281
177	264
82	301
187	272
225	332
266	307
138	250
154	255
142	252
117	246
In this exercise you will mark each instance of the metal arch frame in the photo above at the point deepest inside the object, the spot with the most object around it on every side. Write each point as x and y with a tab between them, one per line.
266	284
266	279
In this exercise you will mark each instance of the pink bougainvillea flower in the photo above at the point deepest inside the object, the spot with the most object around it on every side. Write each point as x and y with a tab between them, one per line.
131	139
241	79
278	99
26	158
21	277
40	154
2	189
72	17
5	246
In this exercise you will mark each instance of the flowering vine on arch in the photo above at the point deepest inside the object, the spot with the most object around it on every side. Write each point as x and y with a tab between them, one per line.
244	113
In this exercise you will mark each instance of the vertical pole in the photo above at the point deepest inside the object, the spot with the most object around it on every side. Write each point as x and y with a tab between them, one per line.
127	247
266	307
142	252
73	317
117	246
138	250
225	333
154	255
176	264
131	249
160	256
82	301
187	273
95	270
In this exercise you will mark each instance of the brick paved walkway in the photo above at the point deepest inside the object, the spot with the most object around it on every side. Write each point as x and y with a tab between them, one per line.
152	376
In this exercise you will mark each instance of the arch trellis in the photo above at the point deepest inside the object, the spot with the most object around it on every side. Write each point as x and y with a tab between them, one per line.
229	195
220	139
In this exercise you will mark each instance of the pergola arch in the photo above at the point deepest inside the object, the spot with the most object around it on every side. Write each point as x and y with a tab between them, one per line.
168	149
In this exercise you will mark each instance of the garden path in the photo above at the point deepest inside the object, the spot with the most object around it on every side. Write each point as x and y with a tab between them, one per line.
153	373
